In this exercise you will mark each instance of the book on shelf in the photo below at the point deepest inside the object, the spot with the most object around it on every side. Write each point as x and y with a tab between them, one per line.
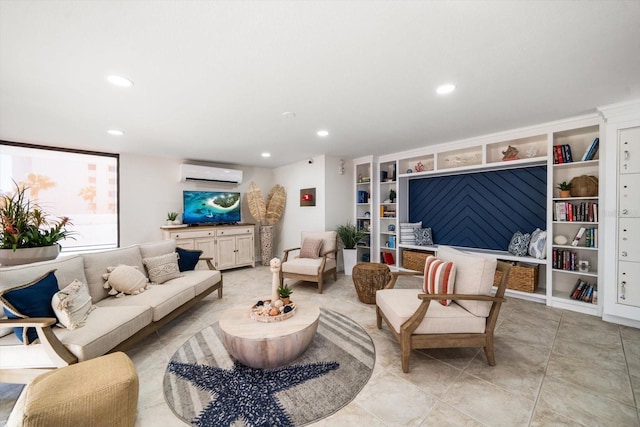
562	154
592	150
583	291
578	236
387	258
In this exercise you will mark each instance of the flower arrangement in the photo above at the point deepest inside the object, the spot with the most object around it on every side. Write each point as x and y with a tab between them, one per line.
23	224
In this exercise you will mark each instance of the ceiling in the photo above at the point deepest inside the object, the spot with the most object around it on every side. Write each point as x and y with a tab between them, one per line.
212	78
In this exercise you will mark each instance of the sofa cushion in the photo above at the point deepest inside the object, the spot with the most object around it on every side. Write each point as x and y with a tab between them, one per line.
32	299
162	299
162	267
200	280
188	259
439	277
104	329
72	305
68	269
307	266
161	247
398	305
96	263
474	276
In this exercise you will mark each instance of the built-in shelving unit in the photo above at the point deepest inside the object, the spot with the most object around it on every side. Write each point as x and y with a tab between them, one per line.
387	213
363	171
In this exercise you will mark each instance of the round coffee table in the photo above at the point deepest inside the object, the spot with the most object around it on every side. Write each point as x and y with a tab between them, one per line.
267	345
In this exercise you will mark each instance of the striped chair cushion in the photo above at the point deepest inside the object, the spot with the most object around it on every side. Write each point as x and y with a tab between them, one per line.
439	277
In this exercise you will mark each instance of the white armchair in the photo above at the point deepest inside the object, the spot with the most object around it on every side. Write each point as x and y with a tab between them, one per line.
316	259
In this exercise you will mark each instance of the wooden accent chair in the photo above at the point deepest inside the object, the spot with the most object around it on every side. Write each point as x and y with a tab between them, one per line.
468	321
317	258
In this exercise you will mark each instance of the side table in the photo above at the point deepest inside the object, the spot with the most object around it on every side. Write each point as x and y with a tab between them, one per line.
368	277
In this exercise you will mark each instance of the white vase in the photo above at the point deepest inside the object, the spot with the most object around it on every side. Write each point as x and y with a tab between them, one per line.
28	255
350	257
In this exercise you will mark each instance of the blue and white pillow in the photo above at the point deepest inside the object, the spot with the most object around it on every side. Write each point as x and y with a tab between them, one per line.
519	245
406	232
538	244
423	236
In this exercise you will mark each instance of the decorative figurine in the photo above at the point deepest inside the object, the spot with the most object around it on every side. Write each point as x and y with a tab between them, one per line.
419	167
510	154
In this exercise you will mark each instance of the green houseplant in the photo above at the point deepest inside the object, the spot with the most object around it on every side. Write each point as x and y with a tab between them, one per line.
24	225
285	292
565	189
349	234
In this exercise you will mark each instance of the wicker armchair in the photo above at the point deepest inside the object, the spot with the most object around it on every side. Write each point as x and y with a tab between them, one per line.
470	319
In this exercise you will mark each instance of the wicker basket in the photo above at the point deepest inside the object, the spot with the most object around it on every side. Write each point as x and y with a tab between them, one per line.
522	277
584	186
414	260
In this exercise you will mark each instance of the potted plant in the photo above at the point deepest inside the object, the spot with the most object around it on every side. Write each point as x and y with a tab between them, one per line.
349	235
285	292
26	233
172	218
392	195
565	189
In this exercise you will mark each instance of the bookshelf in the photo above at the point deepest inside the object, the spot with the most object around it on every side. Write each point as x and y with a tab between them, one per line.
387	213
363	182
574	273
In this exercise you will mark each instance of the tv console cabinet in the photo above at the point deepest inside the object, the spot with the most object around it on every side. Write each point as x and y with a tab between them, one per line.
230	246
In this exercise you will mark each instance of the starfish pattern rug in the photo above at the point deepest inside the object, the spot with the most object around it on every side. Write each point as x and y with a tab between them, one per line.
204	386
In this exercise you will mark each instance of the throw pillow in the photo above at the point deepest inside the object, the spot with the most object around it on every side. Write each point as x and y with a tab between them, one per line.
125	280
162	268
439	277
406	232
72	305
538	245
310	248
187	259
519	244
423	236
30	300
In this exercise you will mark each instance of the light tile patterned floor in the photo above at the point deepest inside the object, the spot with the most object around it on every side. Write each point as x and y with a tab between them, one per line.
553	367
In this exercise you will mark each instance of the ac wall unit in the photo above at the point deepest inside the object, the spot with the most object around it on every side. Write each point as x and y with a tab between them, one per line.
210	174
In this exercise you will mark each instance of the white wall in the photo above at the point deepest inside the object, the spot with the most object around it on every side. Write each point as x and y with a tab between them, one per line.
149	188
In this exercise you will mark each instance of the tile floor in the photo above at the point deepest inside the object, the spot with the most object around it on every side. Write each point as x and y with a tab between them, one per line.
554	367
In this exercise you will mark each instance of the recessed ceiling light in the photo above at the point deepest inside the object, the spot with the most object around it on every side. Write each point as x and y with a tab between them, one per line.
266	154
115	132
323	133
445	89
119	81
288	115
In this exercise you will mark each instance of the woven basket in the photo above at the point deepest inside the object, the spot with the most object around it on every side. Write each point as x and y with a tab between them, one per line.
584	186
521	278
414	260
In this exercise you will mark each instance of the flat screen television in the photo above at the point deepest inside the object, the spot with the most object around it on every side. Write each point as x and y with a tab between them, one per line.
211	207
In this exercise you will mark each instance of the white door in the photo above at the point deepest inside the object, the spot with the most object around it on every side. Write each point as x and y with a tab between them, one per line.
629	153
629	283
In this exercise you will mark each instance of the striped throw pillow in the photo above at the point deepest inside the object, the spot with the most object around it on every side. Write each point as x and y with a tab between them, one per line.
439	277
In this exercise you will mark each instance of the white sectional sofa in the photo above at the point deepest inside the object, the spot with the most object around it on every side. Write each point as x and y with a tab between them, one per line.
115	324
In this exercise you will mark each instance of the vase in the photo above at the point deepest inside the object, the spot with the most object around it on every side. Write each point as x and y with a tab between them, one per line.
349	257
266	243
10	257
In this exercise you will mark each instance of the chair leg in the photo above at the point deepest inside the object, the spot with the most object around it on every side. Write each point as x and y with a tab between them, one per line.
405	351
335	274
281	279
488	352
378	318
320	283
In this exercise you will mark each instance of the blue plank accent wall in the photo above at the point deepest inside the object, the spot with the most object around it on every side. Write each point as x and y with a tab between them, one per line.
482	209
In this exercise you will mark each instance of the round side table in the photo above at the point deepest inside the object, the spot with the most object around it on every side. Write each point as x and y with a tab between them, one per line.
368	277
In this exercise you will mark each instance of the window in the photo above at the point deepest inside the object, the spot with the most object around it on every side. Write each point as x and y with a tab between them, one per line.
82	185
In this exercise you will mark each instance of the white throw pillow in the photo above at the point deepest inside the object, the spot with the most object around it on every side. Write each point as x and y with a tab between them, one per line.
72	305
125	280
538	245
407	235
162	268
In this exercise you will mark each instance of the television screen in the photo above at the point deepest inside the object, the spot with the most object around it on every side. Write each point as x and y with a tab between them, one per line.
211	207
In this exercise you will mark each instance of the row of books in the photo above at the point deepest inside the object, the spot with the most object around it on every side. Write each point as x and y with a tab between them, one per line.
562	152
583	291
562	259
568	211
588	235
363	196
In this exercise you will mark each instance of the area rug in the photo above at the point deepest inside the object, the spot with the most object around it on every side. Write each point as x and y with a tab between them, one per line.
204	386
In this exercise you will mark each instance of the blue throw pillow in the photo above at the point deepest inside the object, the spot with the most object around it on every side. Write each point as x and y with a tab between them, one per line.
30	300
187	259
519	244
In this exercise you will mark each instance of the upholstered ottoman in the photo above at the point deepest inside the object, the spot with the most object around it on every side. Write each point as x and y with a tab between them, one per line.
98	392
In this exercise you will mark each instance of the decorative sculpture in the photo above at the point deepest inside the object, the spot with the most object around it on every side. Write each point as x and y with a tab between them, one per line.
511	153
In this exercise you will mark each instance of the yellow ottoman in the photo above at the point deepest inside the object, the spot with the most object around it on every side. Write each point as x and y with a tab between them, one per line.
98	392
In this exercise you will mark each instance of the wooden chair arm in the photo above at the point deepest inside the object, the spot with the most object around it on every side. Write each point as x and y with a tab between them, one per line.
29	322
208	260
460	297
396	274
286	253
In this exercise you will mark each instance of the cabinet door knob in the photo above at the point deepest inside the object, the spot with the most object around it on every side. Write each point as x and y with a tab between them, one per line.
626	154
624	253
625	211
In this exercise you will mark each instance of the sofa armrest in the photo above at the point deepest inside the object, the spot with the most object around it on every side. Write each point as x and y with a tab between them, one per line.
208	260
461	297
28	323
